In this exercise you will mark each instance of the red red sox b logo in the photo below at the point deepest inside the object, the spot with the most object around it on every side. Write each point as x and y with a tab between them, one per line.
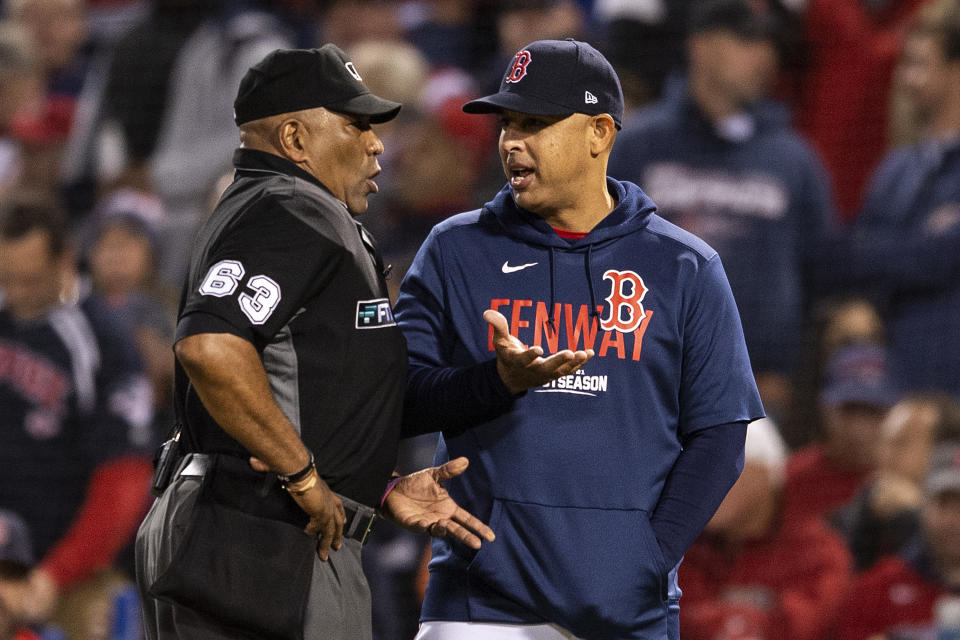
519	67
626	292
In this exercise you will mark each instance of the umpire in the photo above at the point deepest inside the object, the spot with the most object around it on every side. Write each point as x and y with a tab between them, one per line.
287	352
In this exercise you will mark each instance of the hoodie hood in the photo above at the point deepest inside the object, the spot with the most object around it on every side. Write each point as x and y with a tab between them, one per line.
631	214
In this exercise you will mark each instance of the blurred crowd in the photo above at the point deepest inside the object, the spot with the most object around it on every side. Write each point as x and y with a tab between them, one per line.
815	144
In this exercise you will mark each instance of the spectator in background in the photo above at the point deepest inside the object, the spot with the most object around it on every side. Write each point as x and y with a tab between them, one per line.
59	31
884	514
720	161
175	108
122	259
348	22
902	595
857	393
21	84
521	21
446	32
842	92
836	322
74	407
905	247
755	573
644	41
198	131
138	88
431	137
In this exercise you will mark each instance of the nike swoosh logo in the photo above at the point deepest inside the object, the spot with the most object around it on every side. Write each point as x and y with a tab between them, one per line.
508	269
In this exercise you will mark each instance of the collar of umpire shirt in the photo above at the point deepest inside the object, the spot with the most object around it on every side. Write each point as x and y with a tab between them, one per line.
252	160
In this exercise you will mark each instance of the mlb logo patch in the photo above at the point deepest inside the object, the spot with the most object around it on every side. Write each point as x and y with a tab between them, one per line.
374	314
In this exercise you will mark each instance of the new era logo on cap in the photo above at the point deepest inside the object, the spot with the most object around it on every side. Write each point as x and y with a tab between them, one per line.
550	77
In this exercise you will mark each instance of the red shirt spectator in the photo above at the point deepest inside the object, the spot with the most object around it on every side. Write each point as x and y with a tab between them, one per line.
855	398
786	586
816	486
890	597
754	574
904	596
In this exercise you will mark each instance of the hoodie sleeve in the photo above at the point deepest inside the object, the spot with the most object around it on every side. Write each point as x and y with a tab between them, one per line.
717	384
441	397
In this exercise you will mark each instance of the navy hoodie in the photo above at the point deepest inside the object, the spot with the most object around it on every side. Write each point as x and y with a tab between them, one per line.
569	474
762	200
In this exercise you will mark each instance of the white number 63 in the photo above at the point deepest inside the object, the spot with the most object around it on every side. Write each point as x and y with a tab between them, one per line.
223	279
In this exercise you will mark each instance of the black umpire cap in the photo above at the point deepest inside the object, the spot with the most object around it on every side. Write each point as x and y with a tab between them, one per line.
288	80
556	78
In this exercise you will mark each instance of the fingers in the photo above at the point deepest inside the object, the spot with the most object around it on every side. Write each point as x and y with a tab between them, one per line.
563	363
456	531
474	524
323	547
258	464
330	536
451	469
462	526
499	323
505	342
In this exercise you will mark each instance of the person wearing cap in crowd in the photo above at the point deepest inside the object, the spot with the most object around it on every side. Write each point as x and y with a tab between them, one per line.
596	482
287	351
916	591
75	406
122	257
904	249
720	160
857	393
16	562
744	577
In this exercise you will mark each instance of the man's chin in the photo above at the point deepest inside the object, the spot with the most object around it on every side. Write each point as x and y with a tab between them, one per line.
357	208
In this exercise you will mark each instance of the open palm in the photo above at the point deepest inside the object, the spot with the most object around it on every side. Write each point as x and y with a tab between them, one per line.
419	503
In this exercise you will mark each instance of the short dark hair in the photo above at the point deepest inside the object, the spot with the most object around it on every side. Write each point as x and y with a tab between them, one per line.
22	212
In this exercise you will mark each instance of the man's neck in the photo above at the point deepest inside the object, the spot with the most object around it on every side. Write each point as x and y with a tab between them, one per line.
583	216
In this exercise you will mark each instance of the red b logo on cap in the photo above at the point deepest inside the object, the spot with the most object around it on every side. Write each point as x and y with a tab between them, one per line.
519	67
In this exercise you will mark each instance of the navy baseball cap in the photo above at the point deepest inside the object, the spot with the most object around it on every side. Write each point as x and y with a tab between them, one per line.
288	80
857	374
556	78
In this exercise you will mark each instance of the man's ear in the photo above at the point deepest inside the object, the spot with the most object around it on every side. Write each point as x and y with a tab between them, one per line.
602	133
291	139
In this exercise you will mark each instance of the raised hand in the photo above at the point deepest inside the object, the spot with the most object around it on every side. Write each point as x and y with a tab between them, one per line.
523	368
419	503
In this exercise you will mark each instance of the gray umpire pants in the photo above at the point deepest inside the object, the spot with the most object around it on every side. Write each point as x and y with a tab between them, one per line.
338	607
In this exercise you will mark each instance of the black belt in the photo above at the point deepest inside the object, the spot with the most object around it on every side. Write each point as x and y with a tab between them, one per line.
360	517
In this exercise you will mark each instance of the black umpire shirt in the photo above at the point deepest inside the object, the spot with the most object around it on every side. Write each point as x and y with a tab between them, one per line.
282	263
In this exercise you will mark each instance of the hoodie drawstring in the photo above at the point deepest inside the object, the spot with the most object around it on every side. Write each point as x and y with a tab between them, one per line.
593	313
593	296
553	290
